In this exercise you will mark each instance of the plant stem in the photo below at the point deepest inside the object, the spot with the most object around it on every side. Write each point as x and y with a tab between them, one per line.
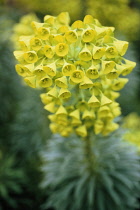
89	154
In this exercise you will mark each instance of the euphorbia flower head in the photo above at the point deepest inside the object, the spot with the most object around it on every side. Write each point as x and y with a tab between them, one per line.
80	67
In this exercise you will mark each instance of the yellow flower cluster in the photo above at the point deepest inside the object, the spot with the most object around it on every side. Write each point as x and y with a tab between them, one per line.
132	123
79	67
117	13
23	28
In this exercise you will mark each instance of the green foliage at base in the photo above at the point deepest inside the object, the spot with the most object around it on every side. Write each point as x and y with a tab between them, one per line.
96	173
30	127
11	180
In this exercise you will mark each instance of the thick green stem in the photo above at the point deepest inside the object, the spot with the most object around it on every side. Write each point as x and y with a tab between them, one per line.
89	154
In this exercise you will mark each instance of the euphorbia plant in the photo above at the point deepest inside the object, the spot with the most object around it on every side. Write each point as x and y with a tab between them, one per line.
81	68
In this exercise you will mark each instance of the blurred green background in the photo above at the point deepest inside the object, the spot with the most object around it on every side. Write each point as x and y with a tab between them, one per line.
24	125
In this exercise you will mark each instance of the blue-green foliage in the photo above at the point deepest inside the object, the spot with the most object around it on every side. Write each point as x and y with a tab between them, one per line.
30	128
101	174
11	180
